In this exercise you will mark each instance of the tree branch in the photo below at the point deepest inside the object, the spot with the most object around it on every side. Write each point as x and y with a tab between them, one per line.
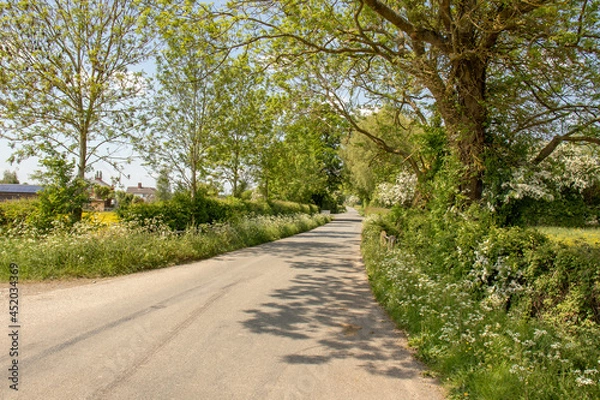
417	34
567	137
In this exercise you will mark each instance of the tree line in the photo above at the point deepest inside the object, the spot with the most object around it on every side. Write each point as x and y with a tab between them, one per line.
260	92
205	121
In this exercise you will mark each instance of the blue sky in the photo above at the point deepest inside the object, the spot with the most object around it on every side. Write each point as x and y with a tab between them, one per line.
137	173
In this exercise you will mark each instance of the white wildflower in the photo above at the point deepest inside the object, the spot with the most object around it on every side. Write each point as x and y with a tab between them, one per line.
402	192
538	333
584	381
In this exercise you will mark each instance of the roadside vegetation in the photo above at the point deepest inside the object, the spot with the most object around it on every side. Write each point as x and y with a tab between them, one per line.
497	313
94	249
475	123
498	307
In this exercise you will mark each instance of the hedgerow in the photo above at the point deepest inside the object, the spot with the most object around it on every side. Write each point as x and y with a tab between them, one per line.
183	212
87	250
497	312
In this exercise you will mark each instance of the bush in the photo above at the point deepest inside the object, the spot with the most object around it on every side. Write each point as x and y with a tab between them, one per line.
17	212
569	210
258	208
179	213
280	207
499	312
182	212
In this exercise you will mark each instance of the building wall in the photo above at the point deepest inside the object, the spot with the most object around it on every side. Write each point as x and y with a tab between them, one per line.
16	196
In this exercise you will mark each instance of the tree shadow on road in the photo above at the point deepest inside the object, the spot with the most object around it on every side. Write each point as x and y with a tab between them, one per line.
329	302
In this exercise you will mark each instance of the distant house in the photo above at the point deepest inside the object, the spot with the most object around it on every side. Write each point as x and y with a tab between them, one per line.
97	202
11	191
148	194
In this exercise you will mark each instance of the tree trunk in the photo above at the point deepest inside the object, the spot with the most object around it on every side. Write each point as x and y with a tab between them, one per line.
235	184
473	115
465	116
194	184
194	171
267	187
81	164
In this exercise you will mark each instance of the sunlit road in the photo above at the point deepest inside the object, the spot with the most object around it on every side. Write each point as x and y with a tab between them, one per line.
292	319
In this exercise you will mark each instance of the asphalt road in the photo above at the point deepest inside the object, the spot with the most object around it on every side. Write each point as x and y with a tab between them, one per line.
292	319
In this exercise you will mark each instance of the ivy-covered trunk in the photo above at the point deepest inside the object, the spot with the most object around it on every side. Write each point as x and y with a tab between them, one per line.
469	131
460	97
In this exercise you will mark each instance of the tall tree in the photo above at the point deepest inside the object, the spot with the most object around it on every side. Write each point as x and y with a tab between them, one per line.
67	84
185	111
467	58
163	186
267	144
243	118
304	161
9	177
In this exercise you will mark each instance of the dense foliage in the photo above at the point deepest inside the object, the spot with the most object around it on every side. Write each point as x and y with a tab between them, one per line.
498	312
18	213
500	75
183	211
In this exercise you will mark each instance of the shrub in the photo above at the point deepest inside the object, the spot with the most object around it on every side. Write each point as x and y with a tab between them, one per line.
17	212
280	207
64	194
179	213
569	210
182	211
499	312
258	207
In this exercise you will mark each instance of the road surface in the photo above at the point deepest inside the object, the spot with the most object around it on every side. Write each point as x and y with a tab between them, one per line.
292	319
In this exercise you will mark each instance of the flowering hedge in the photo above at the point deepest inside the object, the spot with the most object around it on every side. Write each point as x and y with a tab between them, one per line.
499	313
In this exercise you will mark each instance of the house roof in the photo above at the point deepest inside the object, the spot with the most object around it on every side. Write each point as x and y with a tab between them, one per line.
98	181
15	188
138	190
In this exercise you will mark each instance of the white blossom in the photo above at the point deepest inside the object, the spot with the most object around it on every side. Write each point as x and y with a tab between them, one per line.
569	167
400	193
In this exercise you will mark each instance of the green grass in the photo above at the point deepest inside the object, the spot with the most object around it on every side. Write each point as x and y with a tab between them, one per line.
572	236
127	248
475	346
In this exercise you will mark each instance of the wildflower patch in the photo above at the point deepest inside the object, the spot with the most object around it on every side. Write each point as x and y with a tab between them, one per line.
498	313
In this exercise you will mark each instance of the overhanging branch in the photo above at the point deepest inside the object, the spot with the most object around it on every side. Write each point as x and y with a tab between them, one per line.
568	137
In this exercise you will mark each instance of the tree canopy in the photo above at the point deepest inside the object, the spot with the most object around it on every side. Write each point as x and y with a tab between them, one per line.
489	68
259	92
66	79
9	177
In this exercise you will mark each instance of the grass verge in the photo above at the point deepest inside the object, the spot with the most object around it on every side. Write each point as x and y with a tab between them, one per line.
572	236
366	211
518	320
128	247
